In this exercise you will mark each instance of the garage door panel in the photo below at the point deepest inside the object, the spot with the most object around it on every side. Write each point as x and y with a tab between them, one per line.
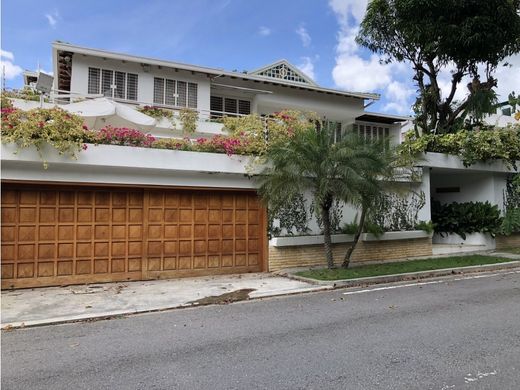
63	236
67	235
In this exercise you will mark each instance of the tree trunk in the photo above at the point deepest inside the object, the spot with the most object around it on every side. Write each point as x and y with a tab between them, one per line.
350	250
325	211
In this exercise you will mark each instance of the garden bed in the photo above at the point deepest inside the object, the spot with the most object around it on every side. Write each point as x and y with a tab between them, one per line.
400	267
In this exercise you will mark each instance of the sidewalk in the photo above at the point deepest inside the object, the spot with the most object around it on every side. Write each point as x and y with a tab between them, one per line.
51	305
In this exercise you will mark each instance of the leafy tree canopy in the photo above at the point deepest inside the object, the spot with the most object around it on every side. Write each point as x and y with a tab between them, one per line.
469	37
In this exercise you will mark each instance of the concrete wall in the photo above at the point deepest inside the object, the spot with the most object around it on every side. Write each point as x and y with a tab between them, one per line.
366	251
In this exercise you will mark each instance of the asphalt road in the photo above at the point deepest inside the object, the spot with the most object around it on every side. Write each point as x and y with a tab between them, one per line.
453	335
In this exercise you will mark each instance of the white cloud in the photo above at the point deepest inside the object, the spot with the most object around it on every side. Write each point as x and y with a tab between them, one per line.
509	78
264	31
53	18
7	54
304	35
345	8
400	95
8	68
355	72
307	66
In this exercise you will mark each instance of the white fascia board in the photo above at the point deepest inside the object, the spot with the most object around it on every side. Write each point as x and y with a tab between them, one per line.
450	161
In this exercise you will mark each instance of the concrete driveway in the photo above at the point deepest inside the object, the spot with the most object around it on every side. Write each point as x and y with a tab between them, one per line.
38	306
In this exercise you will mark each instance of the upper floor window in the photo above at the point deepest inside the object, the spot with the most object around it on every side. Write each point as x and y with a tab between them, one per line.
115	84
221	106
174	93
371	132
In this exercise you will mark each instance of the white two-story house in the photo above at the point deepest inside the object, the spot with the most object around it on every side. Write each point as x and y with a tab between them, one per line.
129	213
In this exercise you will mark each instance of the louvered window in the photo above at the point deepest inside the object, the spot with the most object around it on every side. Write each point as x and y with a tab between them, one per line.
107	77
131	86
170	95
120	82
158	90
119	85
93	80
244	107
372	133
192	95
175	93
216	106
230	105
220	106
181	93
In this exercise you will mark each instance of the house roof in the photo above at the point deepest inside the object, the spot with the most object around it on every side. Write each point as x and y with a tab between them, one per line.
311	86
382	118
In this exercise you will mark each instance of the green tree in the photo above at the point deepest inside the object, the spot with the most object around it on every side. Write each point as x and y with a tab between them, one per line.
310	161
469	37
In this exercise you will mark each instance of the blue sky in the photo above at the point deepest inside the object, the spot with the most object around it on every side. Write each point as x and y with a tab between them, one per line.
316	35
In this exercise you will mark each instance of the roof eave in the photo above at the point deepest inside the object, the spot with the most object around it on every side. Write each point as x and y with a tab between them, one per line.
200	69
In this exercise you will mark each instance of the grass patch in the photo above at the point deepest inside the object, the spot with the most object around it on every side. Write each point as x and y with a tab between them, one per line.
400	268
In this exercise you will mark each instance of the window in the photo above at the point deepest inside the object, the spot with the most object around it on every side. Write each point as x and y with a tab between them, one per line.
372	132
93	80
175	93
119	85
220	106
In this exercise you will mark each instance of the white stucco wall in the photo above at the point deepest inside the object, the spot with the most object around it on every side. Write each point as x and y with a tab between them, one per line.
107	164
81	63
473	186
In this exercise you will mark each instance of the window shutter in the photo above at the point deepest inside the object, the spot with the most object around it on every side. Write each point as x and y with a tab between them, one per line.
93	80
181	92
216	104
244	107
120	82
230	106
106	82
158	90
169	96
131	86
192	95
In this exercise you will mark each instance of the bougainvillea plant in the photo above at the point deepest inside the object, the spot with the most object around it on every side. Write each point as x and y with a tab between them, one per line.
217	144
40	127
121	136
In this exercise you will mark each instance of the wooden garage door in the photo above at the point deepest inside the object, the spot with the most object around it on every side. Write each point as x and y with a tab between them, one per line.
203	232
56	236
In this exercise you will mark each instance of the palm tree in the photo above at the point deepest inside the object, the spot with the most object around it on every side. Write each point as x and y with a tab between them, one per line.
311	161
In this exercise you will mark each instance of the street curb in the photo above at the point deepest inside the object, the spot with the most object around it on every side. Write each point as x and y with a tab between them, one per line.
407	276
125	313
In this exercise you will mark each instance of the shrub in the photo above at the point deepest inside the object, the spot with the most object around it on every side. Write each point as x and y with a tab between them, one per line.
156	112
466	218
427	226
189	120
370	227
470	146
511	222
